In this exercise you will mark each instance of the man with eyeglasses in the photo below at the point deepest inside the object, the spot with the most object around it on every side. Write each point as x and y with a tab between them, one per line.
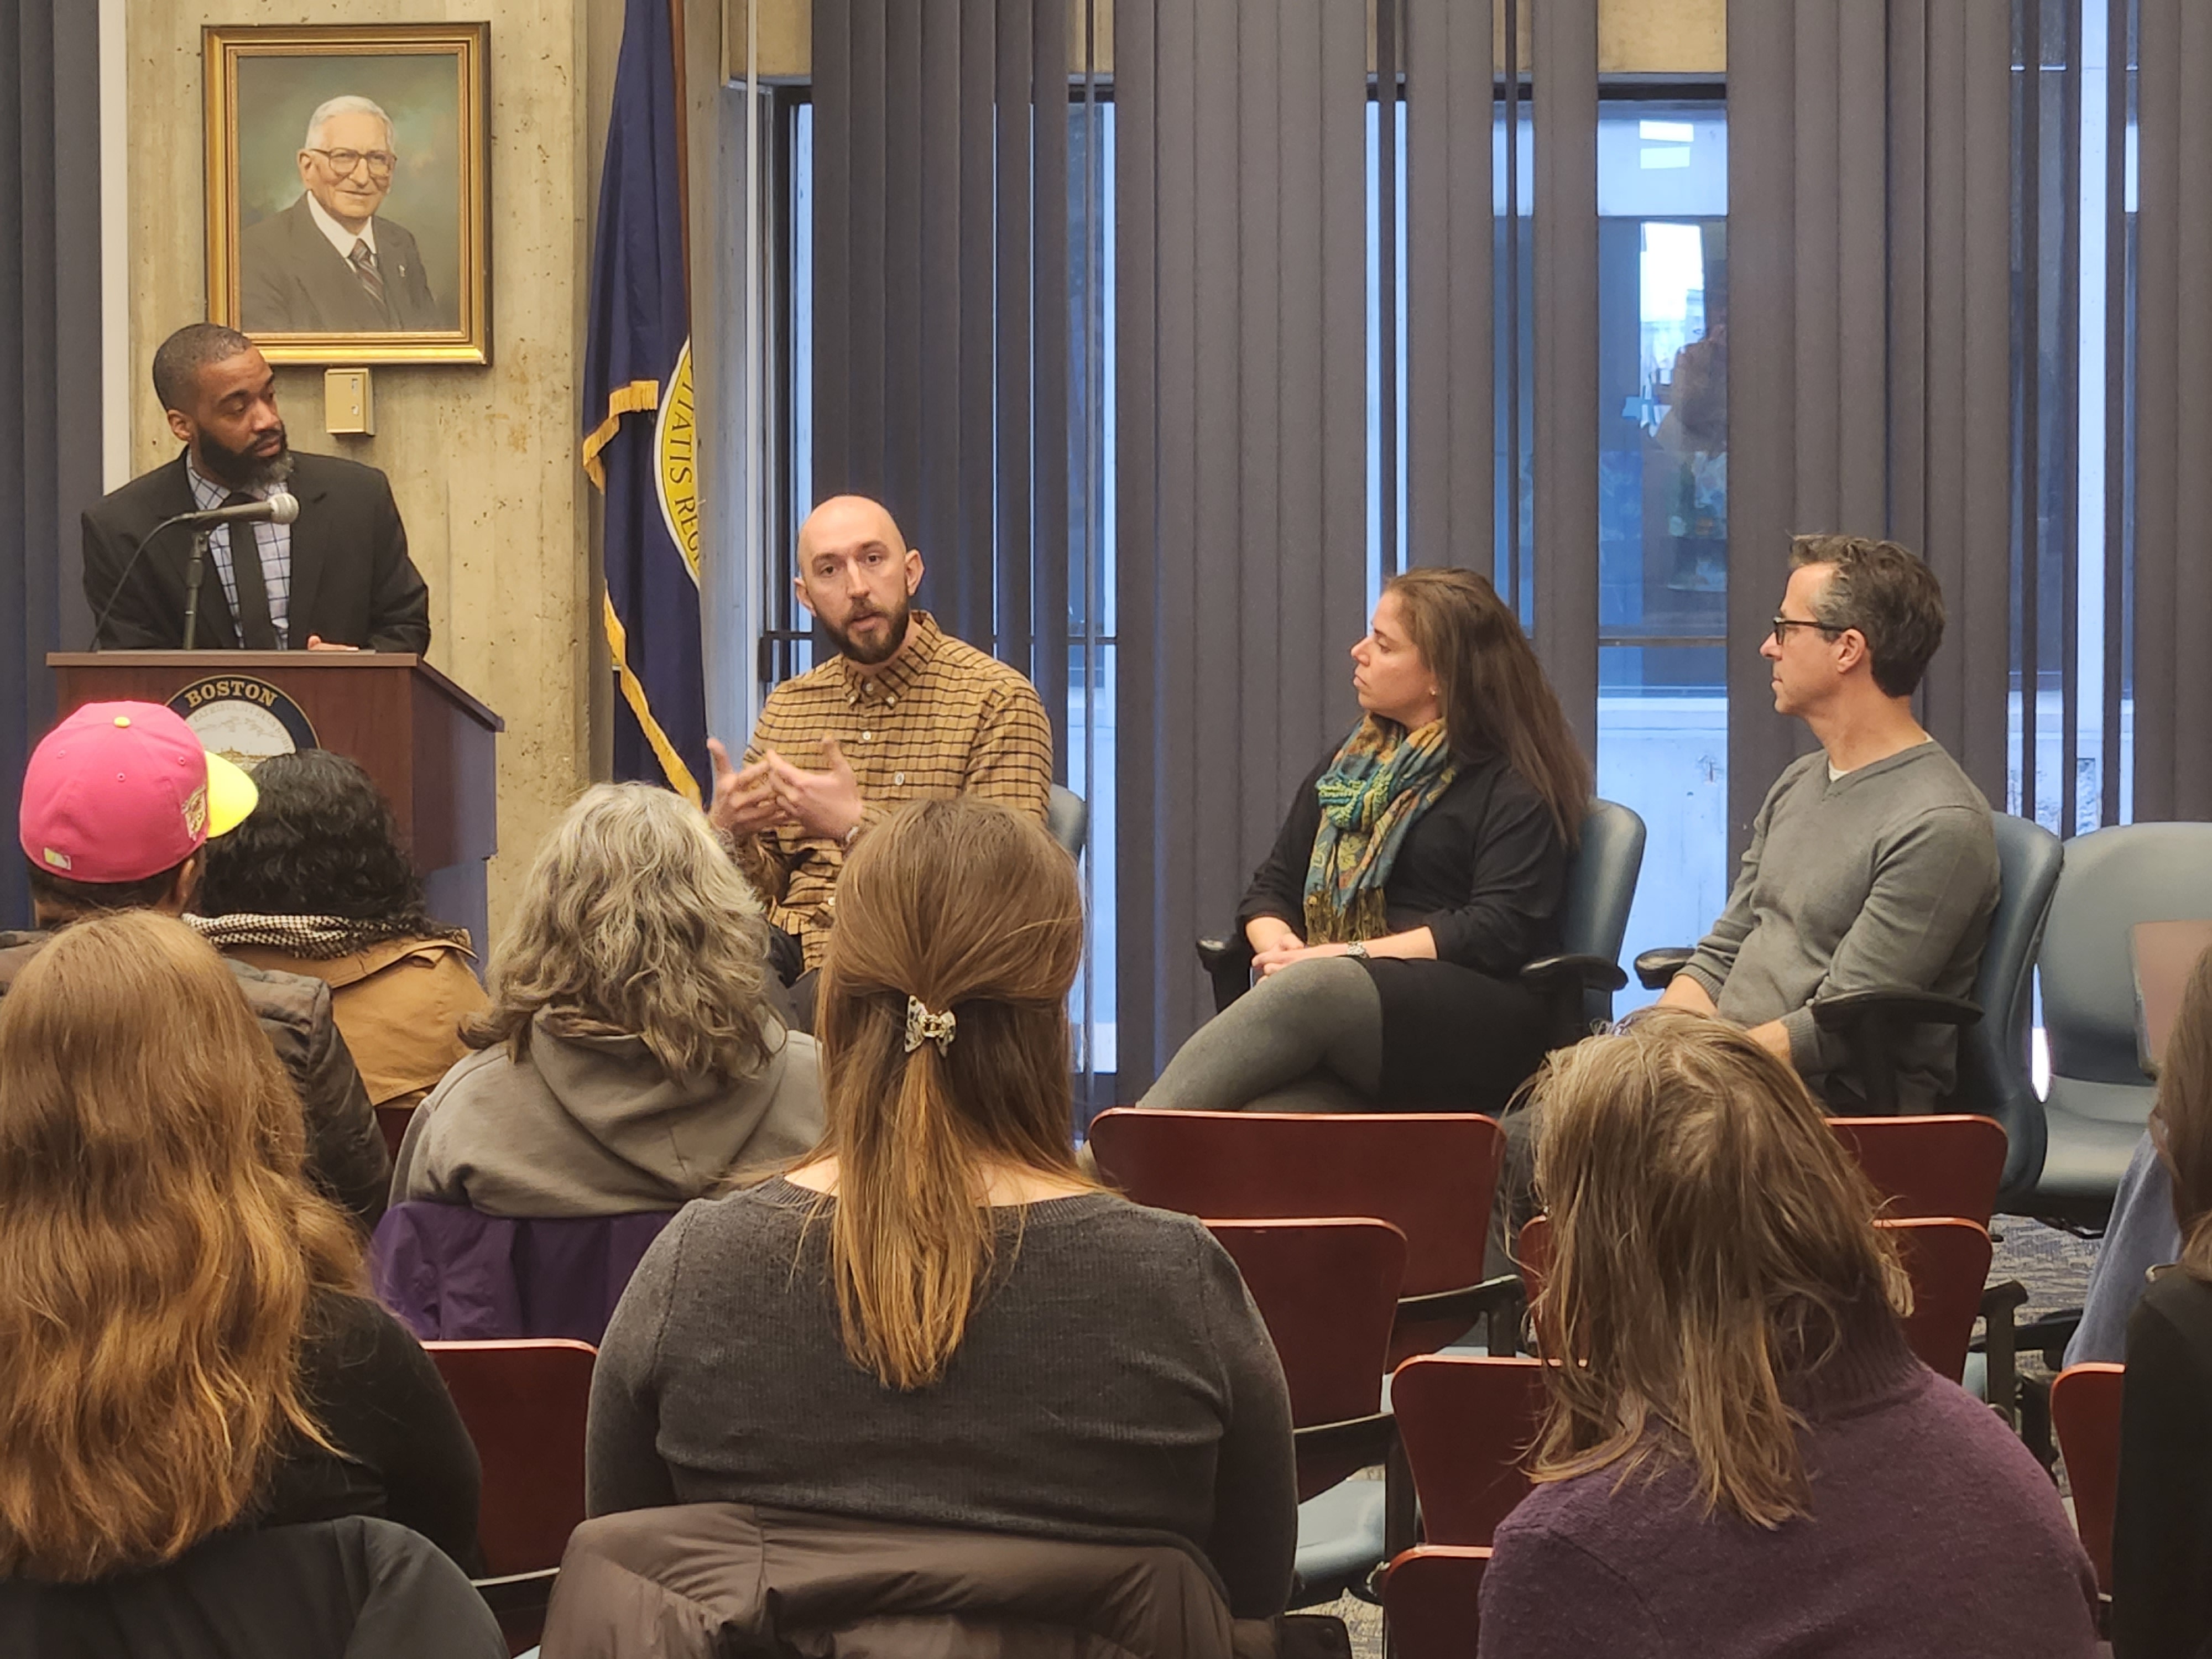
1872	865
328	263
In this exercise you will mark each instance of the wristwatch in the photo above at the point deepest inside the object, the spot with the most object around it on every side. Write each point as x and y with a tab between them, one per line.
1357	948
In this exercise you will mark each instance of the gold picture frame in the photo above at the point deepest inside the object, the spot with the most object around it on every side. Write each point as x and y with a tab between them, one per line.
416	287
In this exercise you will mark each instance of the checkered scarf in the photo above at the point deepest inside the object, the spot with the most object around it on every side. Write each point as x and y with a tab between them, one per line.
317	939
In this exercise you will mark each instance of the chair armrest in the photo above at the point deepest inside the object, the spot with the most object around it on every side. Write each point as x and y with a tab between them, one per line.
2050	1334
1228	962
1847	1010
518	1592
1654	969
1367	1438
1499	1302
1578	973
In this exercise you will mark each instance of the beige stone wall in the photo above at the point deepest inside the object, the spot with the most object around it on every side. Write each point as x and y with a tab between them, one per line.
482	460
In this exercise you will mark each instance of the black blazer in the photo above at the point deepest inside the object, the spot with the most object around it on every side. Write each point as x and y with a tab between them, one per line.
352	581
290	279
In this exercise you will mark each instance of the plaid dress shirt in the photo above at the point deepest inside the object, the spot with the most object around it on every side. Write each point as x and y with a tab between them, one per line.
942	720
272	541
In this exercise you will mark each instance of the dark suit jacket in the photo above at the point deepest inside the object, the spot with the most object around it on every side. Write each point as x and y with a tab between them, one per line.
352	581
292	280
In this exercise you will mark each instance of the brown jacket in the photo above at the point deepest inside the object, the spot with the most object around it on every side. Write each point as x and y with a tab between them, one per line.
398	1004
729	1581
345	1150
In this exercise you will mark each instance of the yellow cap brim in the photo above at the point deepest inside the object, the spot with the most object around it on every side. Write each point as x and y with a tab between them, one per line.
231	796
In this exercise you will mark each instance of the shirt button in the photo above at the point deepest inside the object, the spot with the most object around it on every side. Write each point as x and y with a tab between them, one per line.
899	780
891	697
867	737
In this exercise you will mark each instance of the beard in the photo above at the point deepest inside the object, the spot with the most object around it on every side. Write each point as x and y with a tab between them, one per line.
867	656
241	469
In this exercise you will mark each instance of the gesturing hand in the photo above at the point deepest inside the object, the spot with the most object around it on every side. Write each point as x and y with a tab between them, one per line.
744	800
825	803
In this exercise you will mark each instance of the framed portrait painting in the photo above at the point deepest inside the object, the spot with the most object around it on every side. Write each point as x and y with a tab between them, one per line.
348	216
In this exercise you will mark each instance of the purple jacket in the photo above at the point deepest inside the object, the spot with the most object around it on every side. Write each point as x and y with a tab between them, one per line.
457	1274
1932	1531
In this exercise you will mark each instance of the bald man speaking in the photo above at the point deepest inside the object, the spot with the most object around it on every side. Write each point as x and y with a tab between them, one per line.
903	712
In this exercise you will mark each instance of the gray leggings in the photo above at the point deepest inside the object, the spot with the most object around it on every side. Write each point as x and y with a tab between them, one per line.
1307	1039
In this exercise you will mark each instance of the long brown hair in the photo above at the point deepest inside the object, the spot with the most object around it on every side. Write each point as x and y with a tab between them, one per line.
633	921
1492	691
2181	1122
159	1245
1710	1240
973	911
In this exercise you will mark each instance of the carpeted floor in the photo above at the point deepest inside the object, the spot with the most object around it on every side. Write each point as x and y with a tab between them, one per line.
2053	1264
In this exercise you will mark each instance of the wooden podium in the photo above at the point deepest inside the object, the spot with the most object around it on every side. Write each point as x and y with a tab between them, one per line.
429	745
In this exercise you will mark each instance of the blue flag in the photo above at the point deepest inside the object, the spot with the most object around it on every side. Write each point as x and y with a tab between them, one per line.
640	444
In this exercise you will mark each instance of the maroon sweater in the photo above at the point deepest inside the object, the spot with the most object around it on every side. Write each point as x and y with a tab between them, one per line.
1933	1531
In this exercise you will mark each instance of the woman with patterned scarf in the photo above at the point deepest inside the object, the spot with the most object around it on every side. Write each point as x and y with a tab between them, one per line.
1420	866
318	884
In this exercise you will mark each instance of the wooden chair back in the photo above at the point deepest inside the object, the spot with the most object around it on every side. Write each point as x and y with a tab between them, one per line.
1948	1260
1328	1291
2085	1409
1431	1598
524	1404
1943	1165
1430	1175
1466	1424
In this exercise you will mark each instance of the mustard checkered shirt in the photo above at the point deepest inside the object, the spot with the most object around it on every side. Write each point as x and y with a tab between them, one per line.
941	719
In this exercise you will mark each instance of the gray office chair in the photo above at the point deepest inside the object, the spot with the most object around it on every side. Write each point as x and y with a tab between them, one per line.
1993	1053
2100	1098
1069	819
1578	984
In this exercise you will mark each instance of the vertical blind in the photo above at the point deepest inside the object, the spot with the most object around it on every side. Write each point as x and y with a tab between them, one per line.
50	354
940	337
1240	451
2036	418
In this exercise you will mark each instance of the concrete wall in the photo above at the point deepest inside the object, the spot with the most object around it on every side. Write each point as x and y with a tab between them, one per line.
482	458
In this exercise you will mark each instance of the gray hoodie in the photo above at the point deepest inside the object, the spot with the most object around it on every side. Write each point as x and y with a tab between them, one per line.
592	1126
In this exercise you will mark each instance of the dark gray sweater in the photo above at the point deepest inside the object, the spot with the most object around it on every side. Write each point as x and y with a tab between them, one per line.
1882	879
1115	1386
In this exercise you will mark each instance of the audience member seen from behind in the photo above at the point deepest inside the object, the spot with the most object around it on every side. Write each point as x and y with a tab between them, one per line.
1872	864
628	1060
937	1319
191	1344
316	881
1741	1456
119	804
2162	1530
1420	866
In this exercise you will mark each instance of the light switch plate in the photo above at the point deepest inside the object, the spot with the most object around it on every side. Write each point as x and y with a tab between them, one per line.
349	403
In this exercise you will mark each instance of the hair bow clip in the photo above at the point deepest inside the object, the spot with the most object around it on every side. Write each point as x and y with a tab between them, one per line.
923	1026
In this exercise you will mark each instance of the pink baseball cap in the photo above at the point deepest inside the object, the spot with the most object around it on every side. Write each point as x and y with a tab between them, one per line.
122	791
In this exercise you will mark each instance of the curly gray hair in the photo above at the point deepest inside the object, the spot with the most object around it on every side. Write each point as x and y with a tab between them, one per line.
634	920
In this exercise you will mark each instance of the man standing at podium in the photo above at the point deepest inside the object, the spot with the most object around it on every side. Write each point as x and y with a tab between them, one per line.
337	578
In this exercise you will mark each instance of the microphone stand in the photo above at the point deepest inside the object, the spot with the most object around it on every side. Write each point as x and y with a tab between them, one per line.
195	573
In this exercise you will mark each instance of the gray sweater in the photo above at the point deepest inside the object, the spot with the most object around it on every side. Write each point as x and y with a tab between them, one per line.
586	1125
1882	879
1115	1386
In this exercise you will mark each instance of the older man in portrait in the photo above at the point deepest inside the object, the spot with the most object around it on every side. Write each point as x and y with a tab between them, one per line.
330	263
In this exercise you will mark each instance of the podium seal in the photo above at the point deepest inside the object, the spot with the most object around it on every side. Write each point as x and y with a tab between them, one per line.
243	720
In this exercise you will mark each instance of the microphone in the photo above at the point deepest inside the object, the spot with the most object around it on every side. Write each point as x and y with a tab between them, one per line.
281	506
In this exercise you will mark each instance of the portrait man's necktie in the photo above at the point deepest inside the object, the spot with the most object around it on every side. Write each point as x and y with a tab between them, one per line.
256	632
364	267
